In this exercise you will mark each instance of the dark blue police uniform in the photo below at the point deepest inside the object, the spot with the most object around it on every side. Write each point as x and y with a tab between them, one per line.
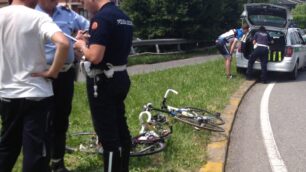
261	51
111	28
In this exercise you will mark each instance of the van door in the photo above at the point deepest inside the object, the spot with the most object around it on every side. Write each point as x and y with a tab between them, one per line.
302	50
268	15
298	47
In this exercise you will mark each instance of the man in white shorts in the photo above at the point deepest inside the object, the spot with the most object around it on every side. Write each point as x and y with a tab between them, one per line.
25	85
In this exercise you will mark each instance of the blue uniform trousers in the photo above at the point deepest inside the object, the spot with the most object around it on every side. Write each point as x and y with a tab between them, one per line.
63	88
261	53
108	114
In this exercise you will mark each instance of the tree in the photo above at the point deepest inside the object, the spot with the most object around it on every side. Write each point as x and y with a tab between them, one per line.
299	15
191	19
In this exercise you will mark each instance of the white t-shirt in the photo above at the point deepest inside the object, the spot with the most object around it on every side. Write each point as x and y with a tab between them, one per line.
228	36
23	32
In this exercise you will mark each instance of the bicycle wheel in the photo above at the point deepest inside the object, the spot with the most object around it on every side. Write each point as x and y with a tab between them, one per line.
86	142
140	149
201	124
214	118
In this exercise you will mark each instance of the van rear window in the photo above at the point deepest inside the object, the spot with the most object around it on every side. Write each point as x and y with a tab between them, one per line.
267	20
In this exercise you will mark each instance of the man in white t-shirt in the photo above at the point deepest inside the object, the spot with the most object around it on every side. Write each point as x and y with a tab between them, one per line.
25	85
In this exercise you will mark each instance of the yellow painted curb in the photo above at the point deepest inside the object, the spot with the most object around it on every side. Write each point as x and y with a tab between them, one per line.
217	151
212	167
218	145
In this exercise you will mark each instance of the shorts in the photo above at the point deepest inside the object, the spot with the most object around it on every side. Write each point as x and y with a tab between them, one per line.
221	46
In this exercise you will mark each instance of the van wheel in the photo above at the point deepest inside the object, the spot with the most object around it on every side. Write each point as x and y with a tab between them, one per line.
240	70
294	74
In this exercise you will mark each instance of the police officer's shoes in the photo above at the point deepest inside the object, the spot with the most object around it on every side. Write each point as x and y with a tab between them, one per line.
58	167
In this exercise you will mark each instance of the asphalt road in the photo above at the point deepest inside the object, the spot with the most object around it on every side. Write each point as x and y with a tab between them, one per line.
287	113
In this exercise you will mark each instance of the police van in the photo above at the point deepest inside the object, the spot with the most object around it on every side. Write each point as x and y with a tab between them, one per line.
287	52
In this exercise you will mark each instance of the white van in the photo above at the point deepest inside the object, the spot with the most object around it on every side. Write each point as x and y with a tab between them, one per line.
287	53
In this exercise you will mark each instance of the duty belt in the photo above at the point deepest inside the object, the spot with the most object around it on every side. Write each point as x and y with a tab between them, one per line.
65	68
261	45
109	73
93	73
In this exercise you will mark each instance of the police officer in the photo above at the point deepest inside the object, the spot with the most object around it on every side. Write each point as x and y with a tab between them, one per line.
230	37
108	81
261	41
70	22
25	92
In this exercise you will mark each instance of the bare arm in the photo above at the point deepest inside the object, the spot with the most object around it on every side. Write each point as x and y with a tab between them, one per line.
233	46
62	45
94	53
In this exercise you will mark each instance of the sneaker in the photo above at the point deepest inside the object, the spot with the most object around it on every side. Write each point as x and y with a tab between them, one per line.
59	167
229	77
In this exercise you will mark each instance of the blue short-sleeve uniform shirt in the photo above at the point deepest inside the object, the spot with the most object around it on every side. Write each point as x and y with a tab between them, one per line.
69	22
111	28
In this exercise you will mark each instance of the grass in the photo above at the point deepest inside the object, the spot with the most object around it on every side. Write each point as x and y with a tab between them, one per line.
201	85
150	59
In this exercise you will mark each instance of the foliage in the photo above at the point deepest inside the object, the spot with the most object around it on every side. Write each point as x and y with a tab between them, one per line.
193	19
299	15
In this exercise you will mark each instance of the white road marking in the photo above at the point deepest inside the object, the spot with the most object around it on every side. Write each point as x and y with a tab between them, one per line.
276	162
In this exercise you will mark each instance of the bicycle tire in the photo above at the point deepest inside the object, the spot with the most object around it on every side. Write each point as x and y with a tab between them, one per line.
143	147
203	125
147	149
215	117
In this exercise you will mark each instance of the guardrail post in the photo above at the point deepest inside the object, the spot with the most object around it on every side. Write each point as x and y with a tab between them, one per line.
179	47
133	50
157	48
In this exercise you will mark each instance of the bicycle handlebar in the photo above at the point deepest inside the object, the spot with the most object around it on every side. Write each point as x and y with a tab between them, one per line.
141	116
165	97
141	119
167	92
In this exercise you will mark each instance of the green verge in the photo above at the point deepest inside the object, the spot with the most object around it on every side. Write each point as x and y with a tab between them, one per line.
200	86
203	86
150	59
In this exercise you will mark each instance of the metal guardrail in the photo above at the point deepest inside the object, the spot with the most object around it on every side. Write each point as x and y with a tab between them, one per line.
158	42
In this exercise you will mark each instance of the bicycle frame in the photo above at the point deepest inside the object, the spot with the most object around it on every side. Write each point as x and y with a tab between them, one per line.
173	111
